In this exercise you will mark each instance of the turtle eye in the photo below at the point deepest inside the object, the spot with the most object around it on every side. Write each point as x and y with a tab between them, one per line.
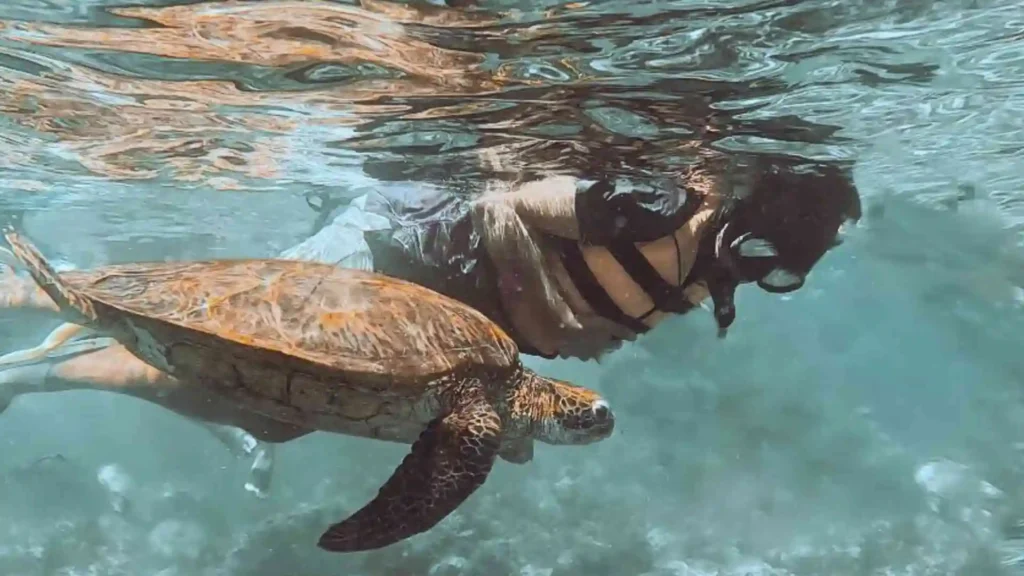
596	416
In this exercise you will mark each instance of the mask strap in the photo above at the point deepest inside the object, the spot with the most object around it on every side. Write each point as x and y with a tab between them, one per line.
780	290
679	262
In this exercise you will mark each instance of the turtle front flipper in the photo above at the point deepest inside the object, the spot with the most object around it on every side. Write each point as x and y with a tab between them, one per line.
72	304
449	461
517	451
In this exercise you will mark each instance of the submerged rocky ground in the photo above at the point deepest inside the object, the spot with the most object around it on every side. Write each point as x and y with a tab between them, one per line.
852	428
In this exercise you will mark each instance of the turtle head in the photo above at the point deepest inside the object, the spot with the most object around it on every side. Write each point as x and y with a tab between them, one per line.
557	412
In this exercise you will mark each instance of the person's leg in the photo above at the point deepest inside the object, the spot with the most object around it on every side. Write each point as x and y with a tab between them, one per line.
104	365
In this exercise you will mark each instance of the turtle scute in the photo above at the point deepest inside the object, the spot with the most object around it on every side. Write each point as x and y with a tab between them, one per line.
347	319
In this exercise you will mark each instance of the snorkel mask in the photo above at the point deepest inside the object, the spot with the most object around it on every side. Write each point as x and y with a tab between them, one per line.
752	259
782	216
745	259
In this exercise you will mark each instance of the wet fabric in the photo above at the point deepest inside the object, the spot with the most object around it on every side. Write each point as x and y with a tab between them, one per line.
425	235
421	234
341	239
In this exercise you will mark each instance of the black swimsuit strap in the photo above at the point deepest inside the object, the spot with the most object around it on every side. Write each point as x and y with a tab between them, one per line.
591	289
666	297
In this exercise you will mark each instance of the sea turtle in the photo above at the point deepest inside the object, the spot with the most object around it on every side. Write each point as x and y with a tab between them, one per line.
342	350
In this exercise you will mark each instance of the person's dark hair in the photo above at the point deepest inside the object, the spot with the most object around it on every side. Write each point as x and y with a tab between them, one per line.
778	229
798	206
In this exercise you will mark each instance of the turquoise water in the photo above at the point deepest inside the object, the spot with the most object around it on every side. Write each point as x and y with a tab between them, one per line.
871	423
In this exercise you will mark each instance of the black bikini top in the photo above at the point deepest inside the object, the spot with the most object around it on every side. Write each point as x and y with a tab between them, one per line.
616	217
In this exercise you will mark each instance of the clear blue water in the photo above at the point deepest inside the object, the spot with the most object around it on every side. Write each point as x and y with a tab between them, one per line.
871	423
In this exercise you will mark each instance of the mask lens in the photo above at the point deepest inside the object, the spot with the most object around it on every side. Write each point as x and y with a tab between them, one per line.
781	281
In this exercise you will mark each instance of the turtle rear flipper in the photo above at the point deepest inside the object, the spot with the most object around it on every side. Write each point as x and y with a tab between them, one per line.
74	305
449	461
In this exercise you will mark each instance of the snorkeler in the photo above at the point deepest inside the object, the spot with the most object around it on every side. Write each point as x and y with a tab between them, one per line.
569	267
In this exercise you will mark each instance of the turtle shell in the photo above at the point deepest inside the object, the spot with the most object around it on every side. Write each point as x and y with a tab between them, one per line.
370	327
